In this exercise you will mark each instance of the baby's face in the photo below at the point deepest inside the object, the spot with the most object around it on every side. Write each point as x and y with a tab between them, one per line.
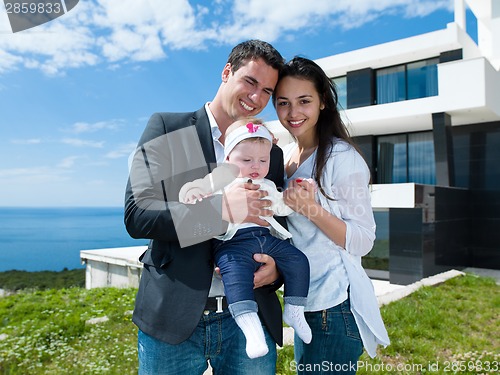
252	158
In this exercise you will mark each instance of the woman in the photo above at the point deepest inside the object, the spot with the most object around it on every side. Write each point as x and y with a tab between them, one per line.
333	224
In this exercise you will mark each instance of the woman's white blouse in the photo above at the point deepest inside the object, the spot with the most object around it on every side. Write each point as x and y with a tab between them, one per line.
346	179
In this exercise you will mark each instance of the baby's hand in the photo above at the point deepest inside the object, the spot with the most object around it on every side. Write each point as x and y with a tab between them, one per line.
194	195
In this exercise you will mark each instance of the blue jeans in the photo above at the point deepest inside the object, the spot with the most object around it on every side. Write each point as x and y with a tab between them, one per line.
336	344
216	338
234	257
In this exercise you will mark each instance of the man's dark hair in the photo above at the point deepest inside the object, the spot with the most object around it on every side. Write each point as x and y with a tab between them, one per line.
253	50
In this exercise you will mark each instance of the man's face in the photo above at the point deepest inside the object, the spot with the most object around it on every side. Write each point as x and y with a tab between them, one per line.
248	90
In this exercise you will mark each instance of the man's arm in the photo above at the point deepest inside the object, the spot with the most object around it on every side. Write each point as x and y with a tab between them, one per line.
267	274
162	163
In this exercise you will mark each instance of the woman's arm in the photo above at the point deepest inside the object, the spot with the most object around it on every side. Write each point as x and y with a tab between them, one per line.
347	219
300	196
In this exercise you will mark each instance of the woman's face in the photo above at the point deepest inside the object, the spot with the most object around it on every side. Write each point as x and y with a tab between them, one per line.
298	106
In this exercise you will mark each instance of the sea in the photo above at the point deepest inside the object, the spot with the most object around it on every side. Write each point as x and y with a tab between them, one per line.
50	239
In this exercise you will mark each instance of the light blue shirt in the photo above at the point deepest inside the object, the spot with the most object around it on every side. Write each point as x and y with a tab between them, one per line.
329	283
345	178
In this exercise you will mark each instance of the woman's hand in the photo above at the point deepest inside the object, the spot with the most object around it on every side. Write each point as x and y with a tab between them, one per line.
301	197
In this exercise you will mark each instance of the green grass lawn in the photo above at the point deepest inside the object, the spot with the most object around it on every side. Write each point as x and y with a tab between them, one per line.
455	324
453	328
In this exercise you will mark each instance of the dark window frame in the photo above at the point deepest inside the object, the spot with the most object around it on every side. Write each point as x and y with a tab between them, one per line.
435	61
408	159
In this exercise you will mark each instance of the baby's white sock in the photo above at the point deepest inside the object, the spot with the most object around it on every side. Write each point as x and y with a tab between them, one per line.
294	317
250	324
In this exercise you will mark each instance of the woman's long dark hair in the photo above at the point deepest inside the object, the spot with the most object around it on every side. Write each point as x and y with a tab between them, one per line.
330	125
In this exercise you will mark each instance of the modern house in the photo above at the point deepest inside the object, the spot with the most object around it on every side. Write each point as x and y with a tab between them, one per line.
425	111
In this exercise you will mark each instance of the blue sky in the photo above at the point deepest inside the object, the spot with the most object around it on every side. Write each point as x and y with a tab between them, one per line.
76	92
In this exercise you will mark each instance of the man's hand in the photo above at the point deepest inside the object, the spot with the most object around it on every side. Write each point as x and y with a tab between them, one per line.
243	203
267	273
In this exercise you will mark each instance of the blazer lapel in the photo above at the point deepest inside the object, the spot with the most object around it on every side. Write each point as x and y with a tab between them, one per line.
204	131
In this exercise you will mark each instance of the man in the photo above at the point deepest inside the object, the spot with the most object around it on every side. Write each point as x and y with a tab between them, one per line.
182	317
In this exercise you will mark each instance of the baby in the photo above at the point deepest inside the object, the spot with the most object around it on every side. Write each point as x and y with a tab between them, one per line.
247	154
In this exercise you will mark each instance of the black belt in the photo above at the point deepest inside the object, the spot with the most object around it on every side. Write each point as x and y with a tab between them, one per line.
216	304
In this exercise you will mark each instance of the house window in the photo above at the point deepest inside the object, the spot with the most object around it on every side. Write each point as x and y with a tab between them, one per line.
421	163
408	81
391	85
378	257
422	79
406	158
392	163
341	86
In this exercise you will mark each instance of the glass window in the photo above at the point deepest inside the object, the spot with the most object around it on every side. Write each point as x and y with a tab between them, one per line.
422	79
378	257
391	84
421	163
341	86
408	81
406	158
392	164
471	25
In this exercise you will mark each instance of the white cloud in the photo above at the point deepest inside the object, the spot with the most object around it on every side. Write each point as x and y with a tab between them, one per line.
68	162
84	127
125	42
95	183
424	8
57	45
116	31
31	141
8	61
122	151
260	19
82	142
42	174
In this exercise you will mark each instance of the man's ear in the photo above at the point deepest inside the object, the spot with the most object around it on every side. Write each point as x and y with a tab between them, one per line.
226	72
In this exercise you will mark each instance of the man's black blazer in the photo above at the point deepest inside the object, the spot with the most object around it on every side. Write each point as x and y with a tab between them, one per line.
178	264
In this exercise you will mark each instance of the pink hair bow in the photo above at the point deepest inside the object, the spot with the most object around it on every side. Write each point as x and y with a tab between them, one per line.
252	128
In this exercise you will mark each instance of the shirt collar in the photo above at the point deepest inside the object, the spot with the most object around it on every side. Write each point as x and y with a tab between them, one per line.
216	133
